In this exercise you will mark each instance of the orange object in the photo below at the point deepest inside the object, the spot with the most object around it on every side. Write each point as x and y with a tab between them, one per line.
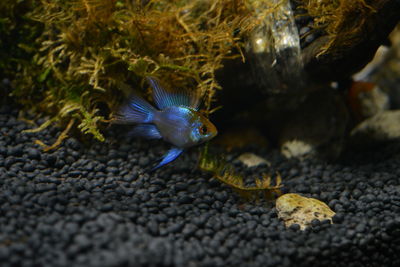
353	97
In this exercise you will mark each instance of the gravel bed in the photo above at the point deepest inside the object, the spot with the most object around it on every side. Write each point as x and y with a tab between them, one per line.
94	205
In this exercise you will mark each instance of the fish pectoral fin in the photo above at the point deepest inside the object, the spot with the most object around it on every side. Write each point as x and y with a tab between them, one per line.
148	131
171	155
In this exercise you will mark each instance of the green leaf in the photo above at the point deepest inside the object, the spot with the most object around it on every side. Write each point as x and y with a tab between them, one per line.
43	76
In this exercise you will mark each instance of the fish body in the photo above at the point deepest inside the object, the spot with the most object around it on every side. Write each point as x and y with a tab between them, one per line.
175	120
182	126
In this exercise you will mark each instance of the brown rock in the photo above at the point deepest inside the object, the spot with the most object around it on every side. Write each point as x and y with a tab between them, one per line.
295	209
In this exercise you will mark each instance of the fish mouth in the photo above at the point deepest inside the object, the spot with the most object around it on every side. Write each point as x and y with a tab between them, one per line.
213	131
209	136
214	134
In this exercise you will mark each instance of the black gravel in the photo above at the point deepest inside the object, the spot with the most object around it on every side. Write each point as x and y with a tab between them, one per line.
95	206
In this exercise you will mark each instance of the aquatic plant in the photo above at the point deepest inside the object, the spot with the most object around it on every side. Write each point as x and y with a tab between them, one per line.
264	188
343	21
87	50
72	60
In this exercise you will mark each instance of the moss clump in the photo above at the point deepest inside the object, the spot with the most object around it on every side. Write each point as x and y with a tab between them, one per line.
79	52
342	20
17	42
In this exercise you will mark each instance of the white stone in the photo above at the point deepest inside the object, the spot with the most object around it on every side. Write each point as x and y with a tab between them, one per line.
252	160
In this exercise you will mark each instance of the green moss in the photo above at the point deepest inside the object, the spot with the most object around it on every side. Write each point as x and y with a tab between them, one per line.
71	56
67	59
17	39
342	20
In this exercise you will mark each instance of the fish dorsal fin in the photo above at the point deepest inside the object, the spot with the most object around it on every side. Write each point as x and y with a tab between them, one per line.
164	98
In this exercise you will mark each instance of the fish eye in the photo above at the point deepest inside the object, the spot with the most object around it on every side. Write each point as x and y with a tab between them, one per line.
203	129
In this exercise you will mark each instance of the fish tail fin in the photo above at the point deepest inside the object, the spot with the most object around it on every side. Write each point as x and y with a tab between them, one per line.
137	110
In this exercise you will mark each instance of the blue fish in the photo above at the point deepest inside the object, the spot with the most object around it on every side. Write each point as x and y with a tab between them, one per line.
176	119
